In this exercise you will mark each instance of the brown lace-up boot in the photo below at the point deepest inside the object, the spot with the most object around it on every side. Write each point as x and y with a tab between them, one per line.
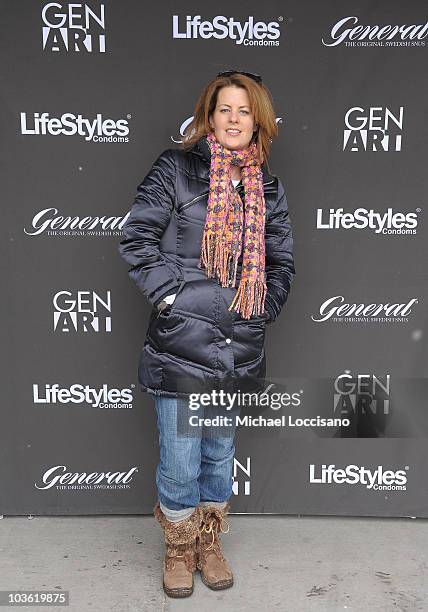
180	558
215	570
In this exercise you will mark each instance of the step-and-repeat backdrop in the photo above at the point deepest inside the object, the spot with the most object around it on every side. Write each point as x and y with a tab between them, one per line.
91	94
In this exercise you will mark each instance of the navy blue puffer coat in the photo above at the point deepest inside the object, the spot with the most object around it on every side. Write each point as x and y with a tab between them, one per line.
197	344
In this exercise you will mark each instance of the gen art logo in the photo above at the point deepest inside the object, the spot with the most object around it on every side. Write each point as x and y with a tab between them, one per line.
375	128
241	477
70	27
82	311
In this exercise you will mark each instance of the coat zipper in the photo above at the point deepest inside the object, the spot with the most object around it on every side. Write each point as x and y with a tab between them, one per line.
194	200
238	189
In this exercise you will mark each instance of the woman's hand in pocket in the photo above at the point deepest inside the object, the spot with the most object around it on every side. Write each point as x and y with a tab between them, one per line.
165	304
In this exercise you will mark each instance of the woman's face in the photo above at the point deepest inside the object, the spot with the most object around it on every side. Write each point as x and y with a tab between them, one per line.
233	112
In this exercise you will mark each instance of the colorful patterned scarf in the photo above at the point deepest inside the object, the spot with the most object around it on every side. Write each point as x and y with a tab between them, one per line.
222	239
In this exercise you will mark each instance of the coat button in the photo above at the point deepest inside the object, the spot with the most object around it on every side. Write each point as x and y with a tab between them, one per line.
228	340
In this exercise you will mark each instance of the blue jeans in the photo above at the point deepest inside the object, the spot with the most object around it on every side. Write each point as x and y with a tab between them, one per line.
196	463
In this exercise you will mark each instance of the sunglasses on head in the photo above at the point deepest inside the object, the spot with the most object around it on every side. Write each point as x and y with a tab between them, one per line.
251	75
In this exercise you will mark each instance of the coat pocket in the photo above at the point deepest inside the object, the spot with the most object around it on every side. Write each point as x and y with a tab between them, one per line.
254	319
167	311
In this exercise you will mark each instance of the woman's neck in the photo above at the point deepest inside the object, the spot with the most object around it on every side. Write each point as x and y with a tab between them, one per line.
236	173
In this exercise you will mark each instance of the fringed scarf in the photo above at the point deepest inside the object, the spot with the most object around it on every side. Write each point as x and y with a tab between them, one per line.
222	239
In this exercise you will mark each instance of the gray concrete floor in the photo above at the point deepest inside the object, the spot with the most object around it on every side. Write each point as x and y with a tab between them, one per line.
288	563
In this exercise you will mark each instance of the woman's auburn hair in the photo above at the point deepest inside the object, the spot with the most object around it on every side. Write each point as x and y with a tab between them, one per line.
260	103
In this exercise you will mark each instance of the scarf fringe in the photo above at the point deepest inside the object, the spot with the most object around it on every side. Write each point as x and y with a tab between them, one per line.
219	262
249	298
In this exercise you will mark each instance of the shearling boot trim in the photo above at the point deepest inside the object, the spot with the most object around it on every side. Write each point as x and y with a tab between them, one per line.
183	532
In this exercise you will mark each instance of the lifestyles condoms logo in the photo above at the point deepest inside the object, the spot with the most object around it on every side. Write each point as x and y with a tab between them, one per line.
249	33
57	477
69	124
104	397
347	32
379	479
387	223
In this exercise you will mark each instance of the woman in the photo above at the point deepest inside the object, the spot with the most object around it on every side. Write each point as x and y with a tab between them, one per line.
210	244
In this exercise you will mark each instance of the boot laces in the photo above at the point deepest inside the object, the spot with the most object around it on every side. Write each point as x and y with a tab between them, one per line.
213	527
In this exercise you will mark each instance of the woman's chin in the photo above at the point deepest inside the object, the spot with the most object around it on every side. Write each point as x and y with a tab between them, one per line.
232	143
